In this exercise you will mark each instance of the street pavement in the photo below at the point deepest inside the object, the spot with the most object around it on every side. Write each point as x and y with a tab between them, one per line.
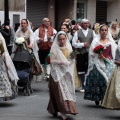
34	107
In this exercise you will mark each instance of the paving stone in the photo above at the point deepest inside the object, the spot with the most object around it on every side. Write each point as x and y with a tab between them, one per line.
34	107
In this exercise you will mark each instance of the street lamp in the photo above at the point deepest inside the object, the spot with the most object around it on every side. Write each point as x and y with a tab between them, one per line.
6	11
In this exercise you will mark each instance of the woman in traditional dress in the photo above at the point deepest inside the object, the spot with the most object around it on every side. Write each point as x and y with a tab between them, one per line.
112	96
26	32
96	27
114	30
64	28
8	74
99	71
61	84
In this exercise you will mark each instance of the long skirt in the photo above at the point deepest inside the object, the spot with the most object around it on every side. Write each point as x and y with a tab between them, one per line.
7	89
112	96
56	102
77	81
95	86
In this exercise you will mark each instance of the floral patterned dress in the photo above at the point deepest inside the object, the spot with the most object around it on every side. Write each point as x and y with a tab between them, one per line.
7	90
95	81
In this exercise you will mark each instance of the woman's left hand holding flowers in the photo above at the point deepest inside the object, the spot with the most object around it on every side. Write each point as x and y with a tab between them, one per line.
72	55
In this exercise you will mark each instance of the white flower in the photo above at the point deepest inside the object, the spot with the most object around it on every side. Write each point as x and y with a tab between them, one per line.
20	40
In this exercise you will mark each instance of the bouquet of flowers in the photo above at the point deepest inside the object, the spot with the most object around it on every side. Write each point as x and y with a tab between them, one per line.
20	40
99	50
73	55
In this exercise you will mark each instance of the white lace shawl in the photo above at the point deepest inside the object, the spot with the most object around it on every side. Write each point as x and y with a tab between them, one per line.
11	69
94	59
28	34
63	73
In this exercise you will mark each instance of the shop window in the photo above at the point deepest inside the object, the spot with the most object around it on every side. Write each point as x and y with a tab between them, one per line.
16	19
81	9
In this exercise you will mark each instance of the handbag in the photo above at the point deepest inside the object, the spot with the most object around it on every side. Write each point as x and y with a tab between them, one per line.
36	67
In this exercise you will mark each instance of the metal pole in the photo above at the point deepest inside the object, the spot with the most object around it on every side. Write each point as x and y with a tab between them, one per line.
6	10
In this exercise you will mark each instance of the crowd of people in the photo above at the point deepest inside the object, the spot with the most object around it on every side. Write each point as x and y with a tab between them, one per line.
80	57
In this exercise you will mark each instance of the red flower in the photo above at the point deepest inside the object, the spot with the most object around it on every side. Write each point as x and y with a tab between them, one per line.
99	49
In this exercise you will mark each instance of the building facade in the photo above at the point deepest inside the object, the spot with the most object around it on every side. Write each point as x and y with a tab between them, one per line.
17	11
58	10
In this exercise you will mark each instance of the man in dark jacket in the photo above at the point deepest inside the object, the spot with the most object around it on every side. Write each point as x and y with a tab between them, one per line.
8	34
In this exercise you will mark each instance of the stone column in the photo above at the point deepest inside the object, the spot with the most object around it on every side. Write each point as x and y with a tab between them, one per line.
51	12
74	9
91	11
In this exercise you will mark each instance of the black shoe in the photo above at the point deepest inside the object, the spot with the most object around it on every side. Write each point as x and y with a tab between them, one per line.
97	102
55	114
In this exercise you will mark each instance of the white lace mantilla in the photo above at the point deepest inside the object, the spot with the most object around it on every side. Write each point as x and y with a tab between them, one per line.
104	69
63	75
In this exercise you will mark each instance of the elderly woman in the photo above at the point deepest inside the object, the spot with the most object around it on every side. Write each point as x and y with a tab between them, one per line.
61	85
26	32
8	75
100	65
114	31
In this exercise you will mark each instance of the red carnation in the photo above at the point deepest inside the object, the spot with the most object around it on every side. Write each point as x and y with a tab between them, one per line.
99	50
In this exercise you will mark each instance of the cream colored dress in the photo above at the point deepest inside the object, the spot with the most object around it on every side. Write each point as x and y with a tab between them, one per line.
78	83
112	96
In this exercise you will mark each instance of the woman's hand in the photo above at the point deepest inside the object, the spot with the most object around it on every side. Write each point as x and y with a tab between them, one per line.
41	39
30	46
49	38
101	56
78	41
64	63
117	62
72	55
